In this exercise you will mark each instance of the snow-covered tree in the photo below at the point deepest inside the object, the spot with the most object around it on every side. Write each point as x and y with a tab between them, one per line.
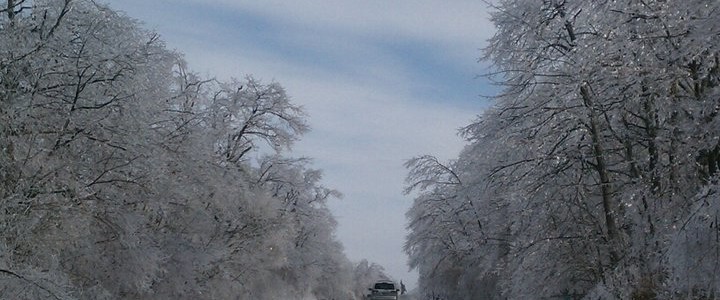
609	111
126	175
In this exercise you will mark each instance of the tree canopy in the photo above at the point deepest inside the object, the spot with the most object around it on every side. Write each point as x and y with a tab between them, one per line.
126	175
595	172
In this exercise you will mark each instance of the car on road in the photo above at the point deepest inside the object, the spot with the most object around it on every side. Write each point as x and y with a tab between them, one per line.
384	290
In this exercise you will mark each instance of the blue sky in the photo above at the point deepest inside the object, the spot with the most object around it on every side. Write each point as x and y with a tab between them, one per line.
381	81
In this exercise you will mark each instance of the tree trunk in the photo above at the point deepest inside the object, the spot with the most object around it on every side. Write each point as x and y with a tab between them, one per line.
608	202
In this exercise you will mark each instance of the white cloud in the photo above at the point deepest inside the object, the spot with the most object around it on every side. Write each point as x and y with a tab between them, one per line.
460	27
363	129
364	104
365	124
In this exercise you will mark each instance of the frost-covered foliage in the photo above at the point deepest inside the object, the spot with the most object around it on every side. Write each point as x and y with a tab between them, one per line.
365	275
595	173
123	175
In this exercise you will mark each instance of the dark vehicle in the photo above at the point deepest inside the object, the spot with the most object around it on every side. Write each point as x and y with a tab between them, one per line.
384	290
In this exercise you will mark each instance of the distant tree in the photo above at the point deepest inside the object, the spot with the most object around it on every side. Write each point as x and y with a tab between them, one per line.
365	274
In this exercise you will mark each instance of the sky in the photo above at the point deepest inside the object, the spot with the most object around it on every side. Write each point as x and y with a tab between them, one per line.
382	81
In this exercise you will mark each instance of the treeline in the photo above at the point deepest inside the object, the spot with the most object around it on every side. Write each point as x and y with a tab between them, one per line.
123	175
595	173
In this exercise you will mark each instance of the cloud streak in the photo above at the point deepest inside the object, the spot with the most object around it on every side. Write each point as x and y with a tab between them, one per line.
382	81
